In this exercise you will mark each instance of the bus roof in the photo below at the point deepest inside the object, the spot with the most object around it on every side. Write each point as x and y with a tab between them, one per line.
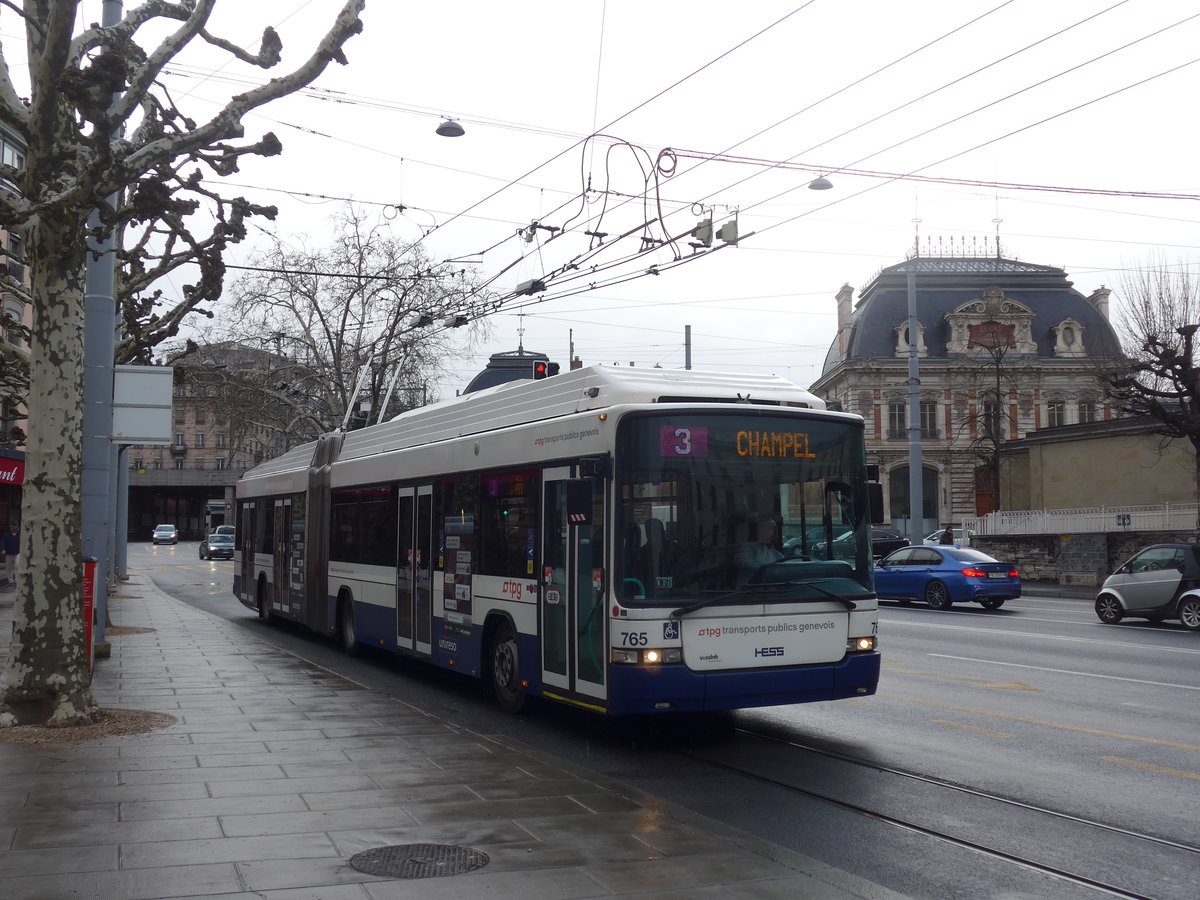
527	400
581	390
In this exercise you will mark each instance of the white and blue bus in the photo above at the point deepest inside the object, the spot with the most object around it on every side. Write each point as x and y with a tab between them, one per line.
623	540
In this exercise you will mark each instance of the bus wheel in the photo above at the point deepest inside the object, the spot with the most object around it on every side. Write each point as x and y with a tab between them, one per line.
506	670
347	633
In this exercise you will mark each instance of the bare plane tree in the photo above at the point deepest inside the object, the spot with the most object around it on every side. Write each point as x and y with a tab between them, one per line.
1159	375
83	147
366	311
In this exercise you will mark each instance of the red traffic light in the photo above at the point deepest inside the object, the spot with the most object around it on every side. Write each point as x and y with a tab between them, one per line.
540	369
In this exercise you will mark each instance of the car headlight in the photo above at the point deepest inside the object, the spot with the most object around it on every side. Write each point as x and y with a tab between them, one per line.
647	657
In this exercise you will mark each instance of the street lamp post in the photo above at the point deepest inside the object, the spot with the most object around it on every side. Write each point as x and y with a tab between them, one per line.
916	482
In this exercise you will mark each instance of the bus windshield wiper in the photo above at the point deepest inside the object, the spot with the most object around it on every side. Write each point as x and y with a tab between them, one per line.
742	596
845	601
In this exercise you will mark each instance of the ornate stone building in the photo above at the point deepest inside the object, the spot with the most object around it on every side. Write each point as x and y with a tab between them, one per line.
1004	348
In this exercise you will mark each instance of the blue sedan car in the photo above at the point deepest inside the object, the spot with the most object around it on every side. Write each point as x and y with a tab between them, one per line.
944	575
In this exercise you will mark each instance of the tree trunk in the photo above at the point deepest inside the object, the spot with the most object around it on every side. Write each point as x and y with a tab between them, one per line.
46	680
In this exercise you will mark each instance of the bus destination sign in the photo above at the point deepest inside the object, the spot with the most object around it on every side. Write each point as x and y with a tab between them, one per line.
692	442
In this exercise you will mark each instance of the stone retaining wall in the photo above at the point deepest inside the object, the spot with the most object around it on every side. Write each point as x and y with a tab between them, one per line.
1080	559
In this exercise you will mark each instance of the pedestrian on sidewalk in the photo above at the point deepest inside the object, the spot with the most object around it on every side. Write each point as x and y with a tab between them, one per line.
947	536
11	546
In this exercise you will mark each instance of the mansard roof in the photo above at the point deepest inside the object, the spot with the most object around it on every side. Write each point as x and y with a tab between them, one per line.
946	283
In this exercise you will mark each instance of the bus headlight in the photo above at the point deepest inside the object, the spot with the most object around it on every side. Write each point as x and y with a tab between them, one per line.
651	657
860	645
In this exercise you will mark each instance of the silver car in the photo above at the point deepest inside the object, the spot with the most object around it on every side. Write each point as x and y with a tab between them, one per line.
1159	582
165	534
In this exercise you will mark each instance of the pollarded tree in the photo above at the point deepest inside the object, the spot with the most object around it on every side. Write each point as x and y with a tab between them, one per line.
82	146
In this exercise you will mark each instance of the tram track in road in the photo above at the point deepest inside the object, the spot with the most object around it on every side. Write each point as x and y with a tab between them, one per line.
1068	848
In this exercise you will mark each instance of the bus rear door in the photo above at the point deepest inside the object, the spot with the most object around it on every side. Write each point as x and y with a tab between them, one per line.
571	590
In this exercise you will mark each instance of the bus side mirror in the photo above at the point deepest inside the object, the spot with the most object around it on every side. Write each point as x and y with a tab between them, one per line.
595	467
875	501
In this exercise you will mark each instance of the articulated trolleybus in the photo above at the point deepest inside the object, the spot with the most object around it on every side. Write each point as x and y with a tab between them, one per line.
622	540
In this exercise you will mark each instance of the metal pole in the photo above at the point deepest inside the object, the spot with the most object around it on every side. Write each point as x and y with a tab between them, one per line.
916	484
122	530
100	322
687	346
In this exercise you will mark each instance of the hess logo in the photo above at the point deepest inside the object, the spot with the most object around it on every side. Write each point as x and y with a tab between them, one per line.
768	651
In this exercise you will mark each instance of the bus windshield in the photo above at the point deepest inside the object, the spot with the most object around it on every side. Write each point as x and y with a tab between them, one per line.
756	504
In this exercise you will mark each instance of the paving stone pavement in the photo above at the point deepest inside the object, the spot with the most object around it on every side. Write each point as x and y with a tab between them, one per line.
277	772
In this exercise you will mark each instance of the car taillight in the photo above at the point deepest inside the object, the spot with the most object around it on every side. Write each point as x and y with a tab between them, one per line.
1014	574
974	573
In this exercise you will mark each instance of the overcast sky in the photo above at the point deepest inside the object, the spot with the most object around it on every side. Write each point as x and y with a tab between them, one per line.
1023	92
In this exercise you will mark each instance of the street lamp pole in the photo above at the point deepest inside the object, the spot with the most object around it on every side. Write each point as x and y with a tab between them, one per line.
916	483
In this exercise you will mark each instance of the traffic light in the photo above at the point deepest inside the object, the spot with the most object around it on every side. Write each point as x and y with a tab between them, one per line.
540	368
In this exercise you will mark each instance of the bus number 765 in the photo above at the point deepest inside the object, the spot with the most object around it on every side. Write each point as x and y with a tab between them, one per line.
634	638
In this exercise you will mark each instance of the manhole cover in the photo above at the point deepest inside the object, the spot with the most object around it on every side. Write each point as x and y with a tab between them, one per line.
419	860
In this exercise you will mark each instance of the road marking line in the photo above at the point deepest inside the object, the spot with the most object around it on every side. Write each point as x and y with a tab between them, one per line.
1141	765
1049	637
975	728
1006	685
994	662
1079	729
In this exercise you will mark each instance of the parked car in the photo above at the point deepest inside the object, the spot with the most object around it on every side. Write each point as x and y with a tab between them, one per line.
165	534
883	542
944	575
1159	582
811	538
962	537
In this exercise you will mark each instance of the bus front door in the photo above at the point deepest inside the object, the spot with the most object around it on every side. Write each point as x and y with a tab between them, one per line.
245	534
571	596
414	607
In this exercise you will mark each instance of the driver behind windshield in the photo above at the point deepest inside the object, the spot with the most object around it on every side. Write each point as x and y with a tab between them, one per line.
762	545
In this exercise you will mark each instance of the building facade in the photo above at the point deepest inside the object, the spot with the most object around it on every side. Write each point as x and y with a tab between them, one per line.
221	426
1003	348
1125	462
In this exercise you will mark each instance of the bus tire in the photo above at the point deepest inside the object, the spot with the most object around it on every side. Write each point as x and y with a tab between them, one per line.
347	631
506	670
260	601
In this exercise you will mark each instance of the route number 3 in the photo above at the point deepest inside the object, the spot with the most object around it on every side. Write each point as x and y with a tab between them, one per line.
683	445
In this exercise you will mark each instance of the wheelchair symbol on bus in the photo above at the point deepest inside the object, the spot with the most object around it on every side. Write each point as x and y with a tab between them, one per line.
670	631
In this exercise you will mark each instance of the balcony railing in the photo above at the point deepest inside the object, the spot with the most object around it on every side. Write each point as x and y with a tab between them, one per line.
927	434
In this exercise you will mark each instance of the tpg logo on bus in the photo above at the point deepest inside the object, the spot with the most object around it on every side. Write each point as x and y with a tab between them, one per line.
515	589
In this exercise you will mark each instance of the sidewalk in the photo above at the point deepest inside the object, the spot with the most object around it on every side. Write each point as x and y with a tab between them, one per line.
1054	589
278	772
